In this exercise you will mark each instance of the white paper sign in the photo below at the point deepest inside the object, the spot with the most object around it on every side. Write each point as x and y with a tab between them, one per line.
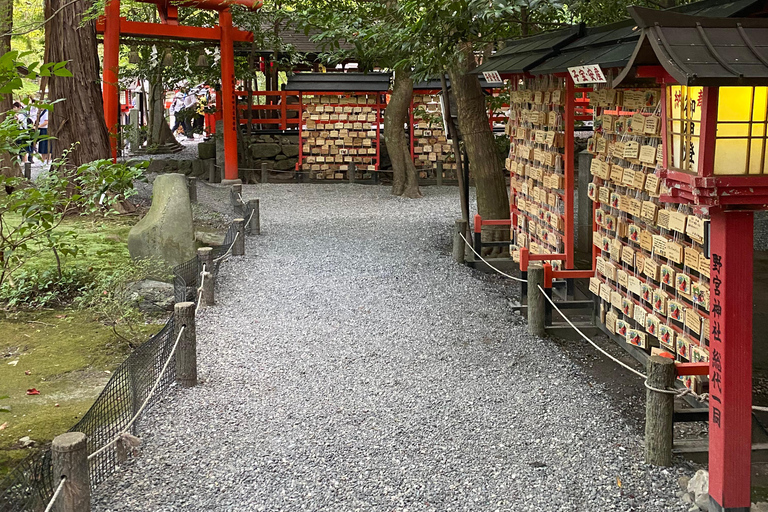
492	77
591	74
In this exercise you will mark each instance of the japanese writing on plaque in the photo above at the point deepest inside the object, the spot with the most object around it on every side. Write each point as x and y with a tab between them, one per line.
492	77
716	342
591	74
683	130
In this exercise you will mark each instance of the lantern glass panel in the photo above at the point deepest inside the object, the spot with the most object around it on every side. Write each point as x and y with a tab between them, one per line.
684	127
731	156
760	108
733	129
756	156
734	104
740	141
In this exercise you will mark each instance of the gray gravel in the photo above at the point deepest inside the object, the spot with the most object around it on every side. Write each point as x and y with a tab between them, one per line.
350	365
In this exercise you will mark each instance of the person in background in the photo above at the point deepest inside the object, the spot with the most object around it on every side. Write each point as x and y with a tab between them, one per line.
25	123
43	147
177	110
190	107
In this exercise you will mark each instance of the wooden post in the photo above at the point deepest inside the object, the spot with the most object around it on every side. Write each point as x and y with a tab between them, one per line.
238	247
205	257
235	195
255	222
460	227
28	170
351	172
186	352
264	172
69	454
536	300
439	174
659	408
730	356
192	186
208	288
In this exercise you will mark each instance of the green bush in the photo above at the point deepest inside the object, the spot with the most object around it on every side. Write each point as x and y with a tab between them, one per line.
45	288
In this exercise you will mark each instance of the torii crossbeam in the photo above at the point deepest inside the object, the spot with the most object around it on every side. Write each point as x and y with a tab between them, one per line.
112	26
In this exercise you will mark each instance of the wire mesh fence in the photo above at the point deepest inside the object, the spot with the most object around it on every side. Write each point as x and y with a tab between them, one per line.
30	485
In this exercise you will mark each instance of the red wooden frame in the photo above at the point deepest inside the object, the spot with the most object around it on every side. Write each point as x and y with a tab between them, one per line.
112	26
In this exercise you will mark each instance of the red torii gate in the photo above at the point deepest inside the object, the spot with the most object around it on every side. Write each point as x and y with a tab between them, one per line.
112	25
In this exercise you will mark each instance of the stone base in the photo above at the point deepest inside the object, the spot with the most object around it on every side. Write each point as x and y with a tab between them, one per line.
229	183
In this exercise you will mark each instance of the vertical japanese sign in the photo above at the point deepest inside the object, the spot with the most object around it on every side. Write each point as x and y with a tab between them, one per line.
730	368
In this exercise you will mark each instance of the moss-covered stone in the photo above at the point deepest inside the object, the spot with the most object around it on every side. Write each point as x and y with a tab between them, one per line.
166	232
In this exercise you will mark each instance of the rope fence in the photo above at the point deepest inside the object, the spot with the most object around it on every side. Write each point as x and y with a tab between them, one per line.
678	393
132	388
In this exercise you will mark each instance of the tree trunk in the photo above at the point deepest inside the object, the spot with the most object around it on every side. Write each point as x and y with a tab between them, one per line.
492	199
8	165
484	161
405	180
80	116
159	134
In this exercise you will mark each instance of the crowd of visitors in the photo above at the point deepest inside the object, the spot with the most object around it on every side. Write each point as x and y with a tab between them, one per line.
187	109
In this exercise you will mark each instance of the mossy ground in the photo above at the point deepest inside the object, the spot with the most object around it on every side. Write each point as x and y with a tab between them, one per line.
68	353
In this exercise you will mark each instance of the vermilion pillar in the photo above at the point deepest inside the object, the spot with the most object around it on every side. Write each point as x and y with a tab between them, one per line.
110	90
228	95
569	227
730	360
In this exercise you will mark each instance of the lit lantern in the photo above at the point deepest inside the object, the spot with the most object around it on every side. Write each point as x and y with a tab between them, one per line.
714	74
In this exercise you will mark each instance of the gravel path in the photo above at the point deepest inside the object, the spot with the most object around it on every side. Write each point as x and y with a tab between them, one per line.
350	365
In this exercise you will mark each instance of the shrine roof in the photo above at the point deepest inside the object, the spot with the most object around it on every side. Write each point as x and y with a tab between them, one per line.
611	46
696	50
341	82
520	55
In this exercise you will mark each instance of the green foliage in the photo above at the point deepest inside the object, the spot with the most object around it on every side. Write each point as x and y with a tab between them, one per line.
44	288
11	78
108	294
102	184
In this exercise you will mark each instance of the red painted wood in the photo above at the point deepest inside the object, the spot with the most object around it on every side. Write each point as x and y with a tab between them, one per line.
547	275
708	130
573	274
569	171
160	31
546	257
497	222
691	368
730	356
524	259
110	88
657	72
228	95
478	223
664	153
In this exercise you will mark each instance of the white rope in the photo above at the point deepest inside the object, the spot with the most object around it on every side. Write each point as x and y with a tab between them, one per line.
241	198
606	354
146	401
229	251
249	218
55	494
200	290
494	268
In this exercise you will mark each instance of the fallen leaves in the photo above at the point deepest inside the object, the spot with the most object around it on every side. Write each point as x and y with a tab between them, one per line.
2	427
33	391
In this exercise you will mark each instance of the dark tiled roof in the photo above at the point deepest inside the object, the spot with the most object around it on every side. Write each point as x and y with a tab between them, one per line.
702	51
521	55
612	45
341	82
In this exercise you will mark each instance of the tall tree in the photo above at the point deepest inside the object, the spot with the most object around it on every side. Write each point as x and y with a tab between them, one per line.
8	164
78	117
365	26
